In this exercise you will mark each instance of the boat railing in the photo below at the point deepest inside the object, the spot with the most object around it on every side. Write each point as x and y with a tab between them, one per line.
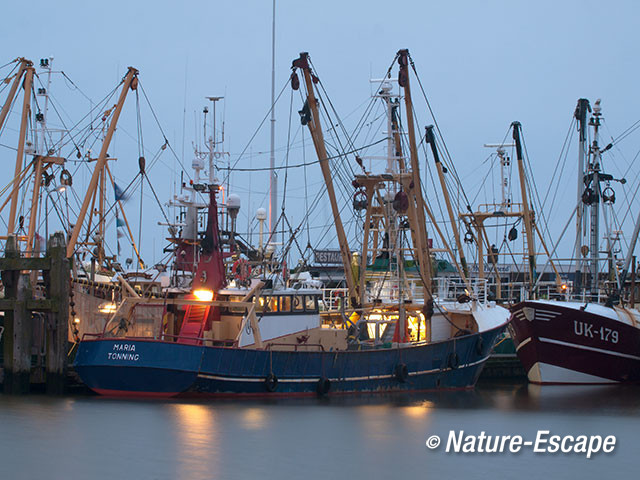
514	292
164	337
453	288
332	298
446	288
295	346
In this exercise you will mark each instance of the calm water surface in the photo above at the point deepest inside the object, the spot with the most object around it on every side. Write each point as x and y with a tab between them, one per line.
86	437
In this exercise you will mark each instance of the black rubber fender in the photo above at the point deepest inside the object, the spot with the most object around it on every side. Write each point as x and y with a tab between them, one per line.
401	373
480	346
271	382
453	361
323	386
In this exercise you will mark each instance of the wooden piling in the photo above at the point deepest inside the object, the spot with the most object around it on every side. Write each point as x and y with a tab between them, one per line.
57	330
17	326
18	306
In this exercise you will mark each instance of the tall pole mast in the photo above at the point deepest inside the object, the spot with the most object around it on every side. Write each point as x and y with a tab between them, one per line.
34	206
26	108
24	63
130	81
315	128
273	188
212	143
445	191
581	118
528	220
416	211
594	167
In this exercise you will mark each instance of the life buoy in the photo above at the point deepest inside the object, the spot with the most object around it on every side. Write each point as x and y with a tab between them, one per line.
241	270
401	373
360	199
271	382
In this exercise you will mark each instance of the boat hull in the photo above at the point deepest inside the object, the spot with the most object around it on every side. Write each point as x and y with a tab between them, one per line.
168	369
137	367
562	343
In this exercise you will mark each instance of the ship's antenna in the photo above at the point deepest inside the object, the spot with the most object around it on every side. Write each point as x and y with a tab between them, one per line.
273	189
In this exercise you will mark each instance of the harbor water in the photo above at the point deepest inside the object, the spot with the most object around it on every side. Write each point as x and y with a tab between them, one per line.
353	437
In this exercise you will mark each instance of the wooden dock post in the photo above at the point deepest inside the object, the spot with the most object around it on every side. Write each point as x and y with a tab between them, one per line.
18	306
17	325
57	283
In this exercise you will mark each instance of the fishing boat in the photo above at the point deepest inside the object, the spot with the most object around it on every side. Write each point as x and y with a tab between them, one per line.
274	343
265	334
587	334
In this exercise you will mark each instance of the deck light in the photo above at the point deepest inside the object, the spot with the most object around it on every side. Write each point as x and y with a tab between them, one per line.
107	307
203	295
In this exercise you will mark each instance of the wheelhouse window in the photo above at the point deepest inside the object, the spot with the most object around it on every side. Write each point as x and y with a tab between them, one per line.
285	304
298	303
268	304
288	303
311	303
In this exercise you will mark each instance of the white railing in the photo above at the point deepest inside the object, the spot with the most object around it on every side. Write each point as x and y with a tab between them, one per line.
391	291
519	291
453	288
332	299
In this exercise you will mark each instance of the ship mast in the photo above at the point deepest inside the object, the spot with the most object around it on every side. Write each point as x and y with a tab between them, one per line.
594	201
273	186
527	214
315	128
130	82
581	118
41	157
413	186
26	109
430	139
24	63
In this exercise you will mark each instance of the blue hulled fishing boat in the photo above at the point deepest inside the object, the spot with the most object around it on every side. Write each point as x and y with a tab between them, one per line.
394	329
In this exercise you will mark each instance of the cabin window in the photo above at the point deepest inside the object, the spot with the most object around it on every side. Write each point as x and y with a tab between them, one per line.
268	304
272	304
298	303
310	303
285	304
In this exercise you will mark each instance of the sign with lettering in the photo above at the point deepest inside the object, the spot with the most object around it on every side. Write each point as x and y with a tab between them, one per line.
123	351
328	257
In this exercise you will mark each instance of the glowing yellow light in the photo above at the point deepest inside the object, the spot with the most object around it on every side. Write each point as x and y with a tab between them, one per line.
203	295
106	307
563	286
76	320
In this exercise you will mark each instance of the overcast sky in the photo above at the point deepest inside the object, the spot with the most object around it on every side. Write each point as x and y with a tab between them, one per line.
483	65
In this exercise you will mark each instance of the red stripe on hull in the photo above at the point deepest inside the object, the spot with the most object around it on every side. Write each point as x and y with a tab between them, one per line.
131	394
313	394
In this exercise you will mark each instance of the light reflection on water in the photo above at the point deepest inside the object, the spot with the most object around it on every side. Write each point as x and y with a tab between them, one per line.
254	418
197	440
344	437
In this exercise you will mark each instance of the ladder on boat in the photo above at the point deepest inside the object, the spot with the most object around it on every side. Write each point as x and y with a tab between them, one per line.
193	324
